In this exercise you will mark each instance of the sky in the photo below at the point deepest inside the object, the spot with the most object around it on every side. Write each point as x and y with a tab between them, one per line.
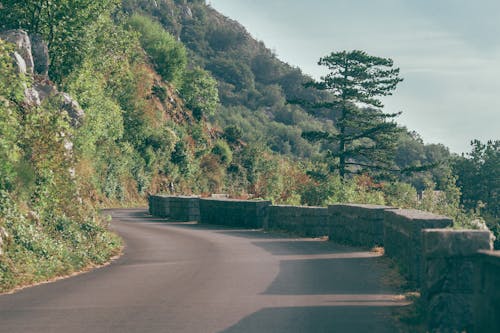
448	52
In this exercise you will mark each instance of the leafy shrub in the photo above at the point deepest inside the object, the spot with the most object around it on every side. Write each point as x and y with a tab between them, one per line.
223	152
168	55
400	195
11	92
199	91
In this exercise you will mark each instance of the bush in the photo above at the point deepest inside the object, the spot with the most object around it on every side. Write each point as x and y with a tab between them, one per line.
223	152
168	55
200	93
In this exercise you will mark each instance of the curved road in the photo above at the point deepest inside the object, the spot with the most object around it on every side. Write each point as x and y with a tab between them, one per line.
184	277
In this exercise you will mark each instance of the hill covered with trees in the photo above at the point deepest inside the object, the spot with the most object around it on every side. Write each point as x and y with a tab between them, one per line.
171	96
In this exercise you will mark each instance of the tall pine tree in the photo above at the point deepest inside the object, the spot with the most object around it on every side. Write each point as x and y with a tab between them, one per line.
366	136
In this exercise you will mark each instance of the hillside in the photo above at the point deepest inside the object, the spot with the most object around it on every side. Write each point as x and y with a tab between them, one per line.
254	84
254	87
122	101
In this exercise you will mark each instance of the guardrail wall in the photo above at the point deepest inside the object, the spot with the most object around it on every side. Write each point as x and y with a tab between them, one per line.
458	279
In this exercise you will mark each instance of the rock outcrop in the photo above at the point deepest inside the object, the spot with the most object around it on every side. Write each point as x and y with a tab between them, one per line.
3	235
22	55
40	53
31	57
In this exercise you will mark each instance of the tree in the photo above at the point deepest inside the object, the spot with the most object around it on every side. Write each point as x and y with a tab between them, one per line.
61	23
168	55
199	90
479	177
365	137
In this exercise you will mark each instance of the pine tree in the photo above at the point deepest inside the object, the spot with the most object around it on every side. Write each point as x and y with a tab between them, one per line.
366	136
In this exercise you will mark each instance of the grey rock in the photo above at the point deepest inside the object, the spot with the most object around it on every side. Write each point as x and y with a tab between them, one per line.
40	52
45	89
32	97
19	63
187	13
22	43
3	235
73	109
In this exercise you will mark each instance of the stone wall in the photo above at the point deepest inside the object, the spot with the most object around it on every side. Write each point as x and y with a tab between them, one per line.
403	239
448	258
306	221
459	285
184	208
236	213
159	205
487	292
360	225
176	208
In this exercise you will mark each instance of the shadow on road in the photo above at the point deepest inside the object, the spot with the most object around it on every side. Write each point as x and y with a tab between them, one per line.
320	284
316	319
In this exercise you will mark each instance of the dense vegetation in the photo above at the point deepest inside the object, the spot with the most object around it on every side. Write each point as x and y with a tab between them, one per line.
46	228
179	99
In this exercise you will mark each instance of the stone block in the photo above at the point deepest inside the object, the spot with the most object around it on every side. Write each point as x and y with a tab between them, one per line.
450	242
450	313
487	292
356	224
236	213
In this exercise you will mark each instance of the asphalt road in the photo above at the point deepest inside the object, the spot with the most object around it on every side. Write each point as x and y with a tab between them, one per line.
182	277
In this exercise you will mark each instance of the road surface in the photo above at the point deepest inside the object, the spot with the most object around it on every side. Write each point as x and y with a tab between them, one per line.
184	277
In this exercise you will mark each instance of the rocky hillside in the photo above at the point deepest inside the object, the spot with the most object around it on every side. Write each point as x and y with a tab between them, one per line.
47	226
31	60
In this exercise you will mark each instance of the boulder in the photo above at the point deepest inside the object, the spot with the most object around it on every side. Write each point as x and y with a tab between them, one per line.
73	109
40	52
22	43
32	56
3	235
32	97
187	13
20	63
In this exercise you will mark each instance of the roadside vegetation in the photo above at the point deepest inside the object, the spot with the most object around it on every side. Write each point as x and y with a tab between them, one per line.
179	99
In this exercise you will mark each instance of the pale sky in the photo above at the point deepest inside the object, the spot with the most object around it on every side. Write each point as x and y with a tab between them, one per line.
448	52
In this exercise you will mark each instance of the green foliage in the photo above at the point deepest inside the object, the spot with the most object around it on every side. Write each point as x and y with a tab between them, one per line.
421	164
478	177
401	195
180	157
168	55
103	123
54	233
40	248
61	23
232	134
199	91
11	91
365	138
237	74
223	152
223	38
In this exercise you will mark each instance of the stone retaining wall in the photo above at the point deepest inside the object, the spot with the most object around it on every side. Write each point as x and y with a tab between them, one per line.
236	213
403	239
184	208
487	292
459	285
159	205
359	225
176	208
306	221
448	277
